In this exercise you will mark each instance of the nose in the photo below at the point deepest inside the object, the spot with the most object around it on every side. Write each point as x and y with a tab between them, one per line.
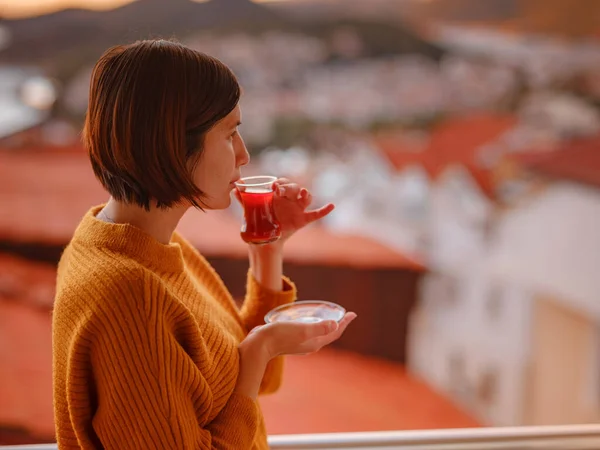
243	157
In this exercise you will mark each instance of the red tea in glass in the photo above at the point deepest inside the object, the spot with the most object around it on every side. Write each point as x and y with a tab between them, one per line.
259	225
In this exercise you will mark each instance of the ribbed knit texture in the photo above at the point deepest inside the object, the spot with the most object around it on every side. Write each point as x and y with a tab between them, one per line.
145	340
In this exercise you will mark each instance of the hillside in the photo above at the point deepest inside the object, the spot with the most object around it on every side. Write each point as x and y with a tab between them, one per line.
468	10
73	30
575	18
62	42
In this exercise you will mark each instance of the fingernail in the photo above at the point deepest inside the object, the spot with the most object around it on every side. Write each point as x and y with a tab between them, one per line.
332	326
281	190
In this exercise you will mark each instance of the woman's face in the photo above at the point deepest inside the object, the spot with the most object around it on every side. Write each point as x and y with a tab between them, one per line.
219	166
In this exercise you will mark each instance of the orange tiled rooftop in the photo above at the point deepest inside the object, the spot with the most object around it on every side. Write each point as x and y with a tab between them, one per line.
455	141
578	161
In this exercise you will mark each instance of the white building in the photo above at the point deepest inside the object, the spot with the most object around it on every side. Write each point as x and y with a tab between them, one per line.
25	99
565	114
544	60
550	251
374	200
508	323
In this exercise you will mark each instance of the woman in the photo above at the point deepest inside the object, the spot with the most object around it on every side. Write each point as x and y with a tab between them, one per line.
149	348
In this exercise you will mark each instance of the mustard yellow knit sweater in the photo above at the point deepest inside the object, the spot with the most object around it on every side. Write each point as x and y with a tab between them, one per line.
145	340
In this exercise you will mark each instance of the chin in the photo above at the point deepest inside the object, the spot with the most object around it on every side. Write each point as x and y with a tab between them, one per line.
219	204
226	203
215	203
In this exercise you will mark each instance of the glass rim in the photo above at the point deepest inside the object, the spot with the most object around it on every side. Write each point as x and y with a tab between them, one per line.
268	180
280	308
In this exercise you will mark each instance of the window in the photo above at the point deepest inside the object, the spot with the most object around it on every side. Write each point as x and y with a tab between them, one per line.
451	291
487	387
457	375
493	304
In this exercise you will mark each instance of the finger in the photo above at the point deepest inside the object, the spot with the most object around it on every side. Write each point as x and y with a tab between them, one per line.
319	342
305	198
347	320
348	317
280	181
318	329
255	329
304	331
323	328
316	214
342	325
289	191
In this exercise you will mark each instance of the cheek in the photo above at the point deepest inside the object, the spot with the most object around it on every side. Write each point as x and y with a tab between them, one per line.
202	173
224	162
215	168
197	172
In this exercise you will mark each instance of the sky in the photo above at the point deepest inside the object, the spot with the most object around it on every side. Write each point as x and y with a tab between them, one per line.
23	8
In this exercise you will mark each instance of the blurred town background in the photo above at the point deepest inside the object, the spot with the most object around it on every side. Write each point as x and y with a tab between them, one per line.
460	141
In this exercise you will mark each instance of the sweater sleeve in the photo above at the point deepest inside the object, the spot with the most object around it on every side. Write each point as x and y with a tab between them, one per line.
150	392
259	301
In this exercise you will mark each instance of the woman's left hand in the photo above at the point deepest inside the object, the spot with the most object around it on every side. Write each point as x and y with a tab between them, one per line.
290	204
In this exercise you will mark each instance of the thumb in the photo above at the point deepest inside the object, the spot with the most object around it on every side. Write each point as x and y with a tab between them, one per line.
317	329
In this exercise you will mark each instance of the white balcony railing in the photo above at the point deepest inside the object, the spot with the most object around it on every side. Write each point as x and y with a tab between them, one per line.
570	437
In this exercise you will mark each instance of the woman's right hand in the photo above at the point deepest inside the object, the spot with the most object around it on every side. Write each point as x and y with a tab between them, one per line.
294	338
282	338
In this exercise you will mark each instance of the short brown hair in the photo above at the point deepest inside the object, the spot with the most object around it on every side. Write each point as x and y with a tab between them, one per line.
150	105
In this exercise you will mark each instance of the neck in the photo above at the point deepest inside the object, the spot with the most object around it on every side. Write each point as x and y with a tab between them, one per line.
160	223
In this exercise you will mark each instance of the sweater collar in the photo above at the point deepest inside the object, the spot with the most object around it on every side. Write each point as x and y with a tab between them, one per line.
130	241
